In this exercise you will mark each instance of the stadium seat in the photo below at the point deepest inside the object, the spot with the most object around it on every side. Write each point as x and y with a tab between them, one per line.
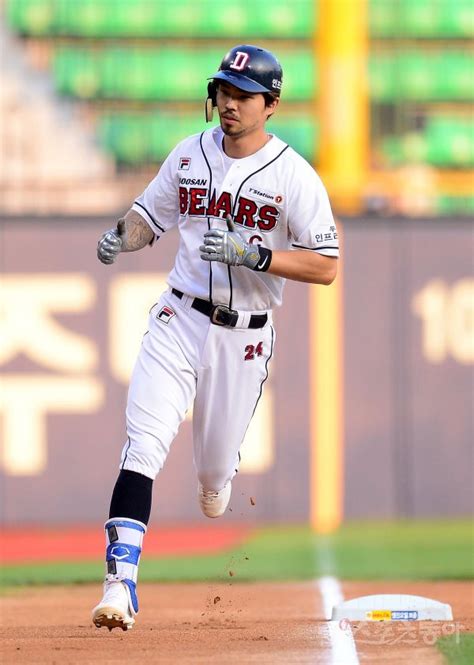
126	138
383	18
450	141
300	132
418	76
455	205
77	73
382	77
146	54
439	75
274	19
437	18
86	18
445	142
164	74
421	18
162	18
135	138
32	17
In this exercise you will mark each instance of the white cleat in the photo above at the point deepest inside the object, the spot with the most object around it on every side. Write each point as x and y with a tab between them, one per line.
213	503
114	610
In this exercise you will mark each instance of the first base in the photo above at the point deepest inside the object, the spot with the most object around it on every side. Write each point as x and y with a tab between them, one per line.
392	607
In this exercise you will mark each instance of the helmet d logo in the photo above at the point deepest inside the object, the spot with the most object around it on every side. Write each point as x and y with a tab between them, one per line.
240	61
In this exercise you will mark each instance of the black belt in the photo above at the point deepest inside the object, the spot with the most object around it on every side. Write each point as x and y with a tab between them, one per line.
222	315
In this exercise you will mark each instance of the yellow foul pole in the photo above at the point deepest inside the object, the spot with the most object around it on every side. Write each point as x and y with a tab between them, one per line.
340	49
327	406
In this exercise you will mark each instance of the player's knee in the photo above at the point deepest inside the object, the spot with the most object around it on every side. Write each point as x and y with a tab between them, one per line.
214	478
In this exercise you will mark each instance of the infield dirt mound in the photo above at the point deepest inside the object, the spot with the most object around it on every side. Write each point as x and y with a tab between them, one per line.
214	623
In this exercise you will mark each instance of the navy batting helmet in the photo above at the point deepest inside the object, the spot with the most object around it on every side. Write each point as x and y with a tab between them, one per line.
249	68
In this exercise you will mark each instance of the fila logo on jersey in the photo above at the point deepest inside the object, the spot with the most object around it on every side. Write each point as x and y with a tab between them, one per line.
249	214
184	163
165	314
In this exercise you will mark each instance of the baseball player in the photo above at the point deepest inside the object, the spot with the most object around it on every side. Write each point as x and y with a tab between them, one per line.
250	212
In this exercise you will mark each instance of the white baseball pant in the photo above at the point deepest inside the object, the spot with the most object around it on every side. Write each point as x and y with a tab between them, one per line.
185	358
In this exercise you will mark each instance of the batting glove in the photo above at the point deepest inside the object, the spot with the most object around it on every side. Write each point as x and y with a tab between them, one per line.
232	248
110	244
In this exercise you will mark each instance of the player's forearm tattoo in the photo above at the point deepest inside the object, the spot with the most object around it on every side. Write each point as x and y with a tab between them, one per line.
138	234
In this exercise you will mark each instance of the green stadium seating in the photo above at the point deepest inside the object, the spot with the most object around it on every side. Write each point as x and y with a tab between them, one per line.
440	75
382	77
275	19
97	55
87	18
77	73
383	18
164	74
437	18
455	205
421	76
450	141
268	18
134	138
445	142
126	138
32	17
163	18
300	132
421	18
392	150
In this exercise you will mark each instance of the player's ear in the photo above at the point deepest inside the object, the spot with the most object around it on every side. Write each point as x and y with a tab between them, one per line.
271	104
211	100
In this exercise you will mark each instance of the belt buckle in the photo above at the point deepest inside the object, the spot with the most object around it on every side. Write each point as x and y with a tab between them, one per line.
223	316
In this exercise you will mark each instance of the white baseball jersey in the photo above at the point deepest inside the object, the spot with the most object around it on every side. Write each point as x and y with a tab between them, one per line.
274	196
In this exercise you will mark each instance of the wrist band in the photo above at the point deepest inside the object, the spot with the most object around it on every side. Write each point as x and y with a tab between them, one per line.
265	259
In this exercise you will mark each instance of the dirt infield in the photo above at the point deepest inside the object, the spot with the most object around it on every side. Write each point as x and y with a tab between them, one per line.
214	623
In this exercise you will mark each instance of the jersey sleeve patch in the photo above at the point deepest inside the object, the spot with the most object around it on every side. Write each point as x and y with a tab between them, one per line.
323	241
264	195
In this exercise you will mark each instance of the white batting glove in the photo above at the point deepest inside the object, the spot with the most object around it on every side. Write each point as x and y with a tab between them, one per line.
110	244
229	247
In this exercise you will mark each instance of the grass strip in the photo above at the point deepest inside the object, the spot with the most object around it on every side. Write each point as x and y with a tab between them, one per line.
457	649
363	551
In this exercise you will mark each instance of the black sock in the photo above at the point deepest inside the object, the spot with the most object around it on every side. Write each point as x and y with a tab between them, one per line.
132	496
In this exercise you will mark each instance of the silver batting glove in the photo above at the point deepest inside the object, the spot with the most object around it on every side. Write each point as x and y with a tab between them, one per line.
110	244
229	247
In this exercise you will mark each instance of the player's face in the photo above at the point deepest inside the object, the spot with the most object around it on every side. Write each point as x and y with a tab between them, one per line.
241	113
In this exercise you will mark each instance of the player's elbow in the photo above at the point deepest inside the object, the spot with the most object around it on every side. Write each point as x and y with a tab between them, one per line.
329	273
